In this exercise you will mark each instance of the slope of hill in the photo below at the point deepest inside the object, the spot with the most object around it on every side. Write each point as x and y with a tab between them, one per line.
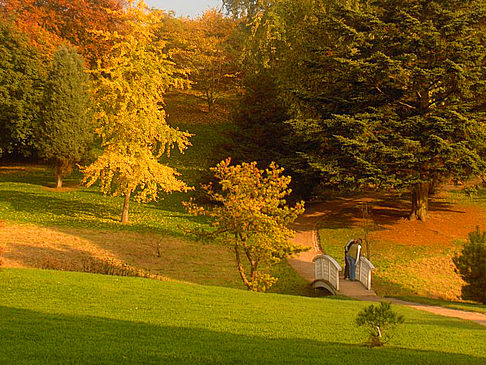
59	317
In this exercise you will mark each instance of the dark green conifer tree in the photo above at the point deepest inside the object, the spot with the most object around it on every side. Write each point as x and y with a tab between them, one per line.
388	96
66	130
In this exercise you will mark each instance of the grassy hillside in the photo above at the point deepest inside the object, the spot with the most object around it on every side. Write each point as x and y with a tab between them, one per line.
44	227
58	317
26	194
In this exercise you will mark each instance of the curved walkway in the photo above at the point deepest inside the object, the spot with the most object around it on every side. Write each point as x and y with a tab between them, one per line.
306	235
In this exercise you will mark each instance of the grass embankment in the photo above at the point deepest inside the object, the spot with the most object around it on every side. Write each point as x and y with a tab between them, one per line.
57	317
49	228
412	259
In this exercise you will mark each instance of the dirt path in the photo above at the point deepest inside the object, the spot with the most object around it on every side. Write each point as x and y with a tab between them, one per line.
306	235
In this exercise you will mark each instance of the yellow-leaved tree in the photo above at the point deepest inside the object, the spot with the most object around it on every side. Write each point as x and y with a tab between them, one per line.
252	215
129	91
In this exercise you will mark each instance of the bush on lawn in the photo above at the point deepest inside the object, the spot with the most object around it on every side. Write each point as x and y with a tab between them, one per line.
379	321
471	265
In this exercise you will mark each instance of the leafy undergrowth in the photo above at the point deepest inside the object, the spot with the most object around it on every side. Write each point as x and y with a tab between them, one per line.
59	317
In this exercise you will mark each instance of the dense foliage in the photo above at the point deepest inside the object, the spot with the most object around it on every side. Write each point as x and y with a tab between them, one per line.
252	216
388	95
129	109
66	131
381	95
471	265
206	51
21	77
52	23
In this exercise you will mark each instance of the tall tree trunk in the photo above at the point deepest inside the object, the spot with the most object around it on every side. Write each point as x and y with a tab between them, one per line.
124	218
59	179
420	201
63	168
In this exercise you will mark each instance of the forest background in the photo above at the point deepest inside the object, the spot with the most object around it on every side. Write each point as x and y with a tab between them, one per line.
348	96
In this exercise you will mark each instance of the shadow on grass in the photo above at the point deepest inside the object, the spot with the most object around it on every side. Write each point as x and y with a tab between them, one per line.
32	337
37	175
391	288
71	210
387	209
38	204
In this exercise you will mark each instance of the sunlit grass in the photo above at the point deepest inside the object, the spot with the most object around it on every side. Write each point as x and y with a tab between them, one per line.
57	317
467	306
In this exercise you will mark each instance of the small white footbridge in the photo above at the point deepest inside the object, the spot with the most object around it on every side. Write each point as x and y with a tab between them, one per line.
327	276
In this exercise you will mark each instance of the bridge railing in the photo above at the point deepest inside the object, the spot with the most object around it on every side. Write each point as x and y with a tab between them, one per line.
327	269
363	272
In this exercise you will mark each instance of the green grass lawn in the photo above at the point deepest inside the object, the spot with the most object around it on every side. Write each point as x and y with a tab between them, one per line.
83	212
391	277
25	199
60	317
26	196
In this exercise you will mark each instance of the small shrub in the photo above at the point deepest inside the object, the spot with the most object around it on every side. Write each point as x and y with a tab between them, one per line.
380	322
471	265
472	191
99	266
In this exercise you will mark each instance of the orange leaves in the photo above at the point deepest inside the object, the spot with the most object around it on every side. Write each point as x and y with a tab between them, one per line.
50	23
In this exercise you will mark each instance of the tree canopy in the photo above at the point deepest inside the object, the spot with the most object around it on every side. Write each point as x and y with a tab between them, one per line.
252	216
129	109
22	73
54	22
204	48
66	129
388	96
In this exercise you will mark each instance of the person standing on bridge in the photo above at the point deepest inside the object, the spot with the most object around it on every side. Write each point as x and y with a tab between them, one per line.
352	253
346	266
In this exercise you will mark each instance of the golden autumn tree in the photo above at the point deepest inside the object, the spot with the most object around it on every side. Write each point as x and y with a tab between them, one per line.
252	216
132	125
213	63
206	50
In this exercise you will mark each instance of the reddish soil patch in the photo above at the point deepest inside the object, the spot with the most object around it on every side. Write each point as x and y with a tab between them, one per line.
412	257
446	222
443	226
